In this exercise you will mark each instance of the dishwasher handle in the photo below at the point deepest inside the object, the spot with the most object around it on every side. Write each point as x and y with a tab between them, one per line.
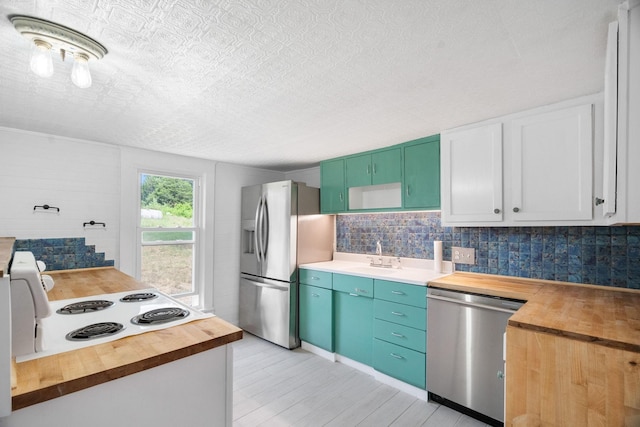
472	304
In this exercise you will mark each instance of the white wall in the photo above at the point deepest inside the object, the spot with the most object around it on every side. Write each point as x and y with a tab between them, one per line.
310	176
226	265
79	177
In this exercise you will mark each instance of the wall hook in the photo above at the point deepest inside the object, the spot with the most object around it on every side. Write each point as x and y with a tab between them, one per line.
92	222
46	207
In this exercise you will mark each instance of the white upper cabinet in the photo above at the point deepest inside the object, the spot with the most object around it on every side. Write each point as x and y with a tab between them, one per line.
534	168
552	164
471	173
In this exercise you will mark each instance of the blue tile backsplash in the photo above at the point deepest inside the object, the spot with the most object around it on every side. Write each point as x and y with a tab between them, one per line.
607	256
64	254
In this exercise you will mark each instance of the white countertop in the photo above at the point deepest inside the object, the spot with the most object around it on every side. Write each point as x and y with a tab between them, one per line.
412	270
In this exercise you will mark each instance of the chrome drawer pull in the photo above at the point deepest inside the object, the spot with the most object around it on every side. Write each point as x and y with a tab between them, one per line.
354	295
315	295
398	293
363	291
395	313
397	356
395	334
315	278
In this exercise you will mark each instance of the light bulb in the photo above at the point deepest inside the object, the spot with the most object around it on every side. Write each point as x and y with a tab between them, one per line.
80	75
41	62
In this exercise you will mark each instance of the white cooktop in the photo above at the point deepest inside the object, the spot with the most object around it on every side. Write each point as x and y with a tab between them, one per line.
56	326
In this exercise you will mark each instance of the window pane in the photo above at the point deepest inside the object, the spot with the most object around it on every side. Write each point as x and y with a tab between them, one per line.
168	268
166	236
166	201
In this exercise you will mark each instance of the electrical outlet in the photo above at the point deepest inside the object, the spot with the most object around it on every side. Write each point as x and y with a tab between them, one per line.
463	255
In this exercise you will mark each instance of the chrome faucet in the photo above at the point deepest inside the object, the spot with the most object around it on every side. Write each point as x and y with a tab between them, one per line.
379	262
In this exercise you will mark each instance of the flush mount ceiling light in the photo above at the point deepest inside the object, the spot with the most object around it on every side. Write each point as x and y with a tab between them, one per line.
47	36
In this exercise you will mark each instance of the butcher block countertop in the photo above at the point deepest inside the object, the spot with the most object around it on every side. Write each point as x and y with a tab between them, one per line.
604	315
38	380
6	249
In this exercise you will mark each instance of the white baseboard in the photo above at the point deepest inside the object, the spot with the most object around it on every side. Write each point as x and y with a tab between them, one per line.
318	351
379	376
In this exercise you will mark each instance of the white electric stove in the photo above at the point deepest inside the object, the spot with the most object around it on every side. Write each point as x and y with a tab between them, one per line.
82	322
43	328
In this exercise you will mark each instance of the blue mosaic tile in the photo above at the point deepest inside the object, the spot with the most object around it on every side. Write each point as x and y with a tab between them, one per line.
595	255
64	253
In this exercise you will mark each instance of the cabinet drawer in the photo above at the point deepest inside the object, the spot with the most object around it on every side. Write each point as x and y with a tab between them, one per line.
362	286
399	362
321	279
316	316
412	338
402	314
401	292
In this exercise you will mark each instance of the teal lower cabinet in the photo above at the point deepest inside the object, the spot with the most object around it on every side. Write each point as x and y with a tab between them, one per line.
353	326
316	316
400	331
378	323
400	362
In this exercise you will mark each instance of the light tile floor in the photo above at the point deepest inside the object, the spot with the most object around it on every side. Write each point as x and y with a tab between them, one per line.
278	387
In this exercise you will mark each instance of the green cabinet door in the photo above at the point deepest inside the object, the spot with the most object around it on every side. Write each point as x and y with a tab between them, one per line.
358	171
316	316
422	174
386	166
332	188
353	326
379	167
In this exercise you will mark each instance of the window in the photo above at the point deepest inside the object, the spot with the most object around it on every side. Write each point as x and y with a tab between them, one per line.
168	235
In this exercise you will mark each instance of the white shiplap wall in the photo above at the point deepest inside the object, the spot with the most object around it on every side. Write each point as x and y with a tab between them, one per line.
79	177
93	181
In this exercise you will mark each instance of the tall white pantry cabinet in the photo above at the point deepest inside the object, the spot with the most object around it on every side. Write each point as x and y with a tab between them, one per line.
622	99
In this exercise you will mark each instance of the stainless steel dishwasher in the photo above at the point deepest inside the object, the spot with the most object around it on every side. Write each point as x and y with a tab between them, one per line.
465	362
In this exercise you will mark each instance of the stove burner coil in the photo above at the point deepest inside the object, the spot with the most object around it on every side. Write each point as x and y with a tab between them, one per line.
85	307
160	315
141	296
96	330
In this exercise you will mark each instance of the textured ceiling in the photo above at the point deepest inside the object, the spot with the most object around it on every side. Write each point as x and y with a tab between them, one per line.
283	84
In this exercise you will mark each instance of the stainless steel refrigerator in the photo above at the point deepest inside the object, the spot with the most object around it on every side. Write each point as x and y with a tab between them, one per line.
281	228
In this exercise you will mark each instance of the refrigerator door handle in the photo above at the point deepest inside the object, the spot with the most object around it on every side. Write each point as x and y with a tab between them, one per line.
257	228
265	229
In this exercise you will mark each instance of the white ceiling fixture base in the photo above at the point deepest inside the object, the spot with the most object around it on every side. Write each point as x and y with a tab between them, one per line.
49	37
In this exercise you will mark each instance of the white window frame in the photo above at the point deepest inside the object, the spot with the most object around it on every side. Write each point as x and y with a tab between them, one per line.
196	229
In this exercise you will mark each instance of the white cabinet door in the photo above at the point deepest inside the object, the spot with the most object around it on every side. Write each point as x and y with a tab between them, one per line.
552	166
471	165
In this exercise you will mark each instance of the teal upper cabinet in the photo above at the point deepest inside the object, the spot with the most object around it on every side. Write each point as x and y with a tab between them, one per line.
332	191
402	177
380	167
422	174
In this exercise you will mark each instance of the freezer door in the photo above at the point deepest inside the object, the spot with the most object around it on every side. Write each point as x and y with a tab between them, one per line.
278	230
269	310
